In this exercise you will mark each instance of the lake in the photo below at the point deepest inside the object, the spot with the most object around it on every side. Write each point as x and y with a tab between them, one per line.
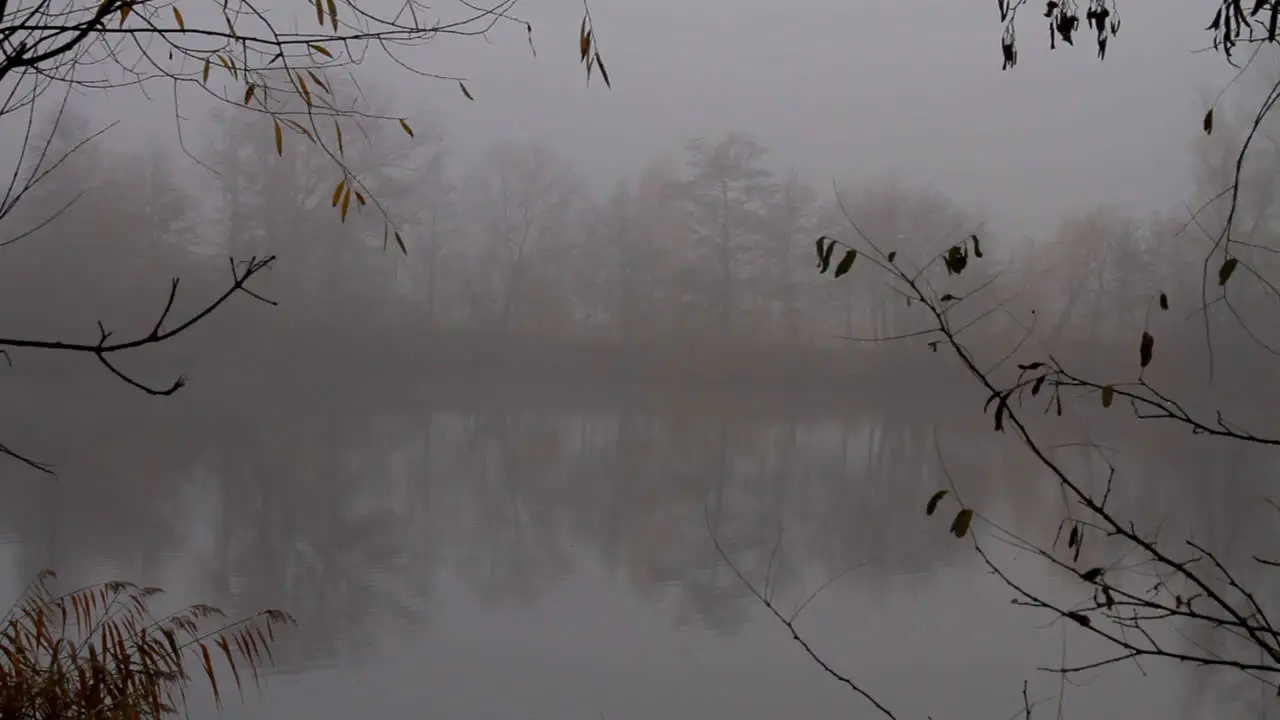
547	563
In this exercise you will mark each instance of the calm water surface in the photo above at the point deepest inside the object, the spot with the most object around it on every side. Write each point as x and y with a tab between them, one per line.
536	565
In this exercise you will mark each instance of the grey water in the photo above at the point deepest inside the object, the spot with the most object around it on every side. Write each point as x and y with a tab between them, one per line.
526	562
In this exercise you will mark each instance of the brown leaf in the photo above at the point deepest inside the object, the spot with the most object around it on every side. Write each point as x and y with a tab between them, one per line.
208	671
1145	348
1080	618
302	87
316	79
1208	122
932	505
1228	267
226	651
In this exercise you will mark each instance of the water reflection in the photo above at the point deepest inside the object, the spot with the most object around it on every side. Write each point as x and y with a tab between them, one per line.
528	563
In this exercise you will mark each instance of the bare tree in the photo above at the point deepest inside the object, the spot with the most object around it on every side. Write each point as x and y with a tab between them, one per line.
725	188
789	218
238	54
523	196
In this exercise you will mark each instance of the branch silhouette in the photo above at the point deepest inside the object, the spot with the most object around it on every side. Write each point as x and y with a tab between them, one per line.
241	273
1192	584
789	624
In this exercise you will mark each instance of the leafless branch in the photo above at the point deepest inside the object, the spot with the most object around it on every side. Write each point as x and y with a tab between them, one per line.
104	348
789	624
1209	595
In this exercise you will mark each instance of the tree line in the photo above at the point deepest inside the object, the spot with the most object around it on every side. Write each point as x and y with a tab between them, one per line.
711	240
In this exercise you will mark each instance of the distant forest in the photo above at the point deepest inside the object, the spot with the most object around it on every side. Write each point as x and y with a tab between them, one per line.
704	257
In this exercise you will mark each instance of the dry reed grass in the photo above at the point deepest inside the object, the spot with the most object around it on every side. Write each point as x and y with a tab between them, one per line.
99	654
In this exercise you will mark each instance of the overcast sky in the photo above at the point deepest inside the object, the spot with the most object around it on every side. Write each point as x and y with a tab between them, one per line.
836	88
856	89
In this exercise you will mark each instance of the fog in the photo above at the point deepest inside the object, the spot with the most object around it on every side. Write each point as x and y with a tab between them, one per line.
546	415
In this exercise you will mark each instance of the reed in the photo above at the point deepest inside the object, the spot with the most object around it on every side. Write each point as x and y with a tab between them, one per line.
98	653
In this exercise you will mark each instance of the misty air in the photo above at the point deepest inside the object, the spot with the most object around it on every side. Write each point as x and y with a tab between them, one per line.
550	360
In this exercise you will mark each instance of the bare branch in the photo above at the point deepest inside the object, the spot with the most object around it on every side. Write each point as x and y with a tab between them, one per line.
790	625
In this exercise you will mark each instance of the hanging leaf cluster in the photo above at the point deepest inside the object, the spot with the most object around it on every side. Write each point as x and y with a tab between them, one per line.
825	248
956	258
1033	378
1232	22
1250	20
959	523
1075	540
1100	18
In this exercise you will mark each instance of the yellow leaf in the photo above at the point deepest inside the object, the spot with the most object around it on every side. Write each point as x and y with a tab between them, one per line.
248	93
302	86
337	192
279	137
346	203
322	50
205	79
177	14
124	13
406	127
319	12
333	14
338	128
465	91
